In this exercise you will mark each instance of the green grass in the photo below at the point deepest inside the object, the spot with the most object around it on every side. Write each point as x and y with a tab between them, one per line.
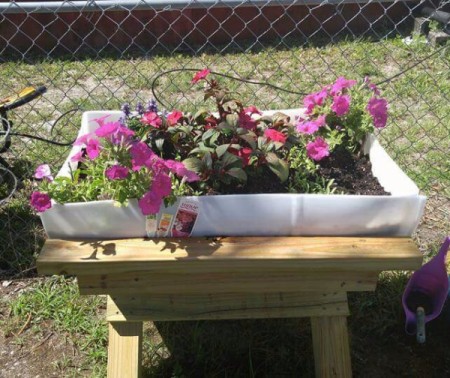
54	305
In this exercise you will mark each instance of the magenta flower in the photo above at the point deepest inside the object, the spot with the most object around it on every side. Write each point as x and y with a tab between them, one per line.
275	135
77	157
101	120
307	126
180	170
141	155
321	120
372	86
200	75
117	172
107	129
40	201
341	105
252	110
82	140
150	203
314	99
245	154
173	117
93	148
341	84
43	172
161	185
377	108
122	134
318	149
151	119
246	121
157	164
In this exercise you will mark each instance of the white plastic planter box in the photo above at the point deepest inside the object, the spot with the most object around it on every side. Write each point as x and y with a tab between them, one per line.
254	214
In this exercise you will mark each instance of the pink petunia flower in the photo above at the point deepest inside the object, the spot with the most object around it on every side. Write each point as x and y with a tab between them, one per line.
117	172
77	157
150	203
122	134
173	117
161	185
43	172
318	149
252	110
307	127
341	105
157	164
82	140
377	108
101	120
40	201
151	119
246	121
275	135
93	148
372	86
200	75
341	84
314	99
180	170
321	120
141	155
107	129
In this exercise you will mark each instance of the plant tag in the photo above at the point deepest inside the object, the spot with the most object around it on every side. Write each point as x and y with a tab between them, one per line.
164	225
150	225
185	218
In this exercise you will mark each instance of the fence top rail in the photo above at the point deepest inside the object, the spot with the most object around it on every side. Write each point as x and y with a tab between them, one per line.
128	5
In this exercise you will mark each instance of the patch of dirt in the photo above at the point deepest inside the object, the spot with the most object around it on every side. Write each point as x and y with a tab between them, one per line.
29	353
350	174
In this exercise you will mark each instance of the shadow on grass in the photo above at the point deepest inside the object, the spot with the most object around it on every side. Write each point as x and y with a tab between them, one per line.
21	233
244	348
283	347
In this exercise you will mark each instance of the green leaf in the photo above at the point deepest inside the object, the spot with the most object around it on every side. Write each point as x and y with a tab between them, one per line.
230	105
280	117
201	113
278	166
207	160
228	160
193	164
220	150
266	119
224	126
250	138
232	120
238	173
261	142
211	133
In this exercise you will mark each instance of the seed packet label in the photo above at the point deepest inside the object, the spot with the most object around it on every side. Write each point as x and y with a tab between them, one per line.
185	218
165	223
150	225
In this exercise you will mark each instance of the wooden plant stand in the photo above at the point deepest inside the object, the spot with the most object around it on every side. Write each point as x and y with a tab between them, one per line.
228	278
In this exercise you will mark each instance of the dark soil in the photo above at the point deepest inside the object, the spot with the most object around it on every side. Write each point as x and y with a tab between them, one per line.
350	174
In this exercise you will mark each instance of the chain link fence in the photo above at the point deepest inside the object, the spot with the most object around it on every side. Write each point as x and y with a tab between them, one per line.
98	55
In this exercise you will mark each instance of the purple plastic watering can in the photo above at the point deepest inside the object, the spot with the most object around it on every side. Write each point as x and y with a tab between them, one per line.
426	291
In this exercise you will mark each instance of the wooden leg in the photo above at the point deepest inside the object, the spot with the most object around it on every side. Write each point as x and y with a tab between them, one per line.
331	347
125	349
